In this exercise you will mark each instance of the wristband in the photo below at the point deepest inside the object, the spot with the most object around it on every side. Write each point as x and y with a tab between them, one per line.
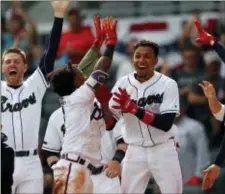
119	155
109	51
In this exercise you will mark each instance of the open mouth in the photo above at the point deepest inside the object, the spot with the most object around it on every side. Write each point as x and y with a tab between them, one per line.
141	67
12	72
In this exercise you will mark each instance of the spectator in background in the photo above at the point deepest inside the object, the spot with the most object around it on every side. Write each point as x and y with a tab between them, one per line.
193	151
23	35
76	42
189	72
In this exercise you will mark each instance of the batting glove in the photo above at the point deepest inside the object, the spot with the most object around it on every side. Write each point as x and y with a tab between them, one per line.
100	33
204	37
110	29
124	102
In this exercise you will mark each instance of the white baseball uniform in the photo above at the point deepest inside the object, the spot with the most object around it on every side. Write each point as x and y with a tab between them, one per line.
151	151
98	141
21	114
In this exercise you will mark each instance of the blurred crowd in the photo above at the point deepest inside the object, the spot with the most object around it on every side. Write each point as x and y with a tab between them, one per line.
198	63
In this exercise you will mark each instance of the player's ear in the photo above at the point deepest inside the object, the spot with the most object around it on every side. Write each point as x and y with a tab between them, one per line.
156	61
25	67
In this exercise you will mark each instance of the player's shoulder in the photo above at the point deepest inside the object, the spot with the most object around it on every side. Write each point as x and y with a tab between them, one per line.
125	79
57	114
166	79
3	83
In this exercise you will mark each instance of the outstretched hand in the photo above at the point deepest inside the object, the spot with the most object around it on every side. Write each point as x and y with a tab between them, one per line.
60	7
100	33
124	102
208	89
204	37
109	27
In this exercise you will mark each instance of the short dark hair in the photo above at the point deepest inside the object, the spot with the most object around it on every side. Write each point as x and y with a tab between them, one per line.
62	80
146	43
17	51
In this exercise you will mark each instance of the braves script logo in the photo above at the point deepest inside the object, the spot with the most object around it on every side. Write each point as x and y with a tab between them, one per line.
97	113
5	105
157	98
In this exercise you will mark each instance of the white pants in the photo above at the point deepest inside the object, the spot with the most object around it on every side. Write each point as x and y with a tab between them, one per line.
70	177
161	162
103	184
28	175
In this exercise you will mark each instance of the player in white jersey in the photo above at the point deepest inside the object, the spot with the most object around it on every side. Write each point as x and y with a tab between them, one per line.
54	139
80	155
21	106
218	110
148	102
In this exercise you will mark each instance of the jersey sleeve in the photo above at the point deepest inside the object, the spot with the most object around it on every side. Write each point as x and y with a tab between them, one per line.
170	103
221	114
38	82
53	138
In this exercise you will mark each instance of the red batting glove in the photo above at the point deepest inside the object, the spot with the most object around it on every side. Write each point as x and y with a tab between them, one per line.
124	102
100	33
103	95
204	37
110	29
194	181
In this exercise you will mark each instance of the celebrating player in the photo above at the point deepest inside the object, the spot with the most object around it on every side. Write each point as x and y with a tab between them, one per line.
80	156
21	106
218	110
54	139
148	102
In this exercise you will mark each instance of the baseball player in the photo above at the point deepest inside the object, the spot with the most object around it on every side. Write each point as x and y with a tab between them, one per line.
21	106
53	143
80	155
86	66
148	102
218	110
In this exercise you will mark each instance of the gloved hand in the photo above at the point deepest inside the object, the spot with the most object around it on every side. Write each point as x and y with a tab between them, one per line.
110	29
103	95
100	32
204	37
124	102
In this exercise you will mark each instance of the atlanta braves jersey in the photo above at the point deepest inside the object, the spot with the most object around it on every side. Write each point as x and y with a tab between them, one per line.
159	95
21	111
55	132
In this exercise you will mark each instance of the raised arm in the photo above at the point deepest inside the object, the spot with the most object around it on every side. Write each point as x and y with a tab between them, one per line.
208	39
47	61
214	104
88	62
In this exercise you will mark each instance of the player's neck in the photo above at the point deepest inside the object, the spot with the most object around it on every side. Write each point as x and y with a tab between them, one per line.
144	78
14	86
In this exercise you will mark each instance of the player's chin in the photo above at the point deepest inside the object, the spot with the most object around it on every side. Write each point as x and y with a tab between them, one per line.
13	80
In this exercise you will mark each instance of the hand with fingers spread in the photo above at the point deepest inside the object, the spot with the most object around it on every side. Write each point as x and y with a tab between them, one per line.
208	89
204	37
124	102
211	173
100	33
109	27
